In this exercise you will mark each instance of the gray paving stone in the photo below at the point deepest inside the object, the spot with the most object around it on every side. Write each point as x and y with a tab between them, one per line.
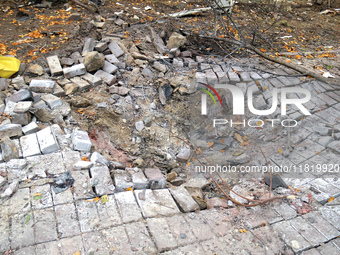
81	185
29	145
42	86
70	158
20	202
211	77
184	199
270	238
47	141
117	240
70	246
140	239
104	182
193	249
161	233
81	140
54	65
73	71
48	248
139	180
106	77
83	85
45	226
251	218
4	237
321	224
25	251
325	187
334	146
276	83
199	227
94	243
310	233
311	252
245	77
30	128
51	100
41	197
22	233
291	237
222	77
156	202
108	213
255	76
180	229
123	180
93	80
286	82
64	197
200	77
67	223
324	85
308	148
38	165
220	221
115	49
87	215
127	200
233	77
214	246
328	248
286	211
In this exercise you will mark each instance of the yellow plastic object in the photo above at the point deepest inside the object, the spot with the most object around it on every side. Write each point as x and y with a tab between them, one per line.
8	66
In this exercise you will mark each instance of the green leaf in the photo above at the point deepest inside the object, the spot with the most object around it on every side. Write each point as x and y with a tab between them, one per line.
104	199
37	197
28	217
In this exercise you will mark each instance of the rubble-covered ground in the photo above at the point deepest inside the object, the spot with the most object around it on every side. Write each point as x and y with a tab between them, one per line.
104	149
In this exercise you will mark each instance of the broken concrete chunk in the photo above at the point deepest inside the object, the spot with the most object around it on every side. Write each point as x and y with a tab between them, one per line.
8	149
176	41
3	84
35	69
94	61
102	178
54	65
10	130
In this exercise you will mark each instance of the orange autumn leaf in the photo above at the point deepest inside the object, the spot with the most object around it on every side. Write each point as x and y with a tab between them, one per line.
331	199
129	189
280	151
35	34
287	60
298	57
238	138
85	158
210	144
242	230
77	253
96	199
263	50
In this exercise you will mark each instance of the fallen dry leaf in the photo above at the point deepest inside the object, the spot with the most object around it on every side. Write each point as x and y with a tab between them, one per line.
238	138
